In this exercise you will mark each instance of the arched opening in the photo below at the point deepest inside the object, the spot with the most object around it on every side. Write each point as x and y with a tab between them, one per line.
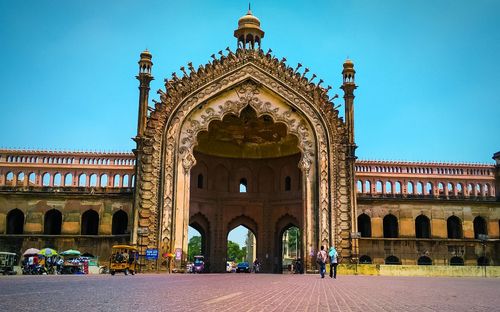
288	184
364	225
116	180
68	180
46	179
422	227
93	179
246	153
57	179
365	260
15	222
243	185
90	223
52	222
200	181
290	250
119	223
241	249
196	259
198	244
390	226
479	227
392	260
454	226
456	261
104	180
82	180
424	260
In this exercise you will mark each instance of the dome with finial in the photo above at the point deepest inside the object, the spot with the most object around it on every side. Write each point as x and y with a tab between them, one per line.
249	33
146	54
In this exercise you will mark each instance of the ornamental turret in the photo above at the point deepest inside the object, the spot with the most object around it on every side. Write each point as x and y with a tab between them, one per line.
348	85
249	34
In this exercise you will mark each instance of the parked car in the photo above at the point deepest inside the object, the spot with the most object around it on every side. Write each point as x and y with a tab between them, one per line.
243	267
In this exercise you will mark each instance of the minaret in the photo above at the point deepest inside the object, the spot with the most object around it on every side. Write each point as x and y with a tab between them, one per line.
248	34
349	86
144	78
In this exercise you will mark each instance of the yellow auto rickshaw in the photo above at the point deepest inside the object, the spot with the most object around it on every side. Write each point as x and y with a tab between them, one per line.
123	259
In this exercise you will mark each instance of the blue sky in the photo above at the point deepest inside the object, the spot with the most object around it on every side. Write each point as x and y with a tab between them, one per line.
428	71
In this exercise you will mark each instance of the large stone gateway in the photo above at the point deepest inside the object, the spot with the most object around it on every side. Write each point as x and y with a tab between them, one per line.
244	140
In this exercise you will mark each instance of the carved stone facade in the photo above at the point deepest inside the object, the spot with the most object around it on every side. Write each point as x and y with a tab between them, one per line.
247	78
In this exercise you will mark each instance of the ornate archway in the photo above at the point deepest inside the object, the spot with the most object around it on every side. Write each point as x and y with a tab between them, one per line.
227	86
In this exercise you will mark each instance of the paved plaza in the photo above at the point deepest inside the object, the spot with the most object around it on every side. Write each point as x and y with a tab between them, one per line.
246	292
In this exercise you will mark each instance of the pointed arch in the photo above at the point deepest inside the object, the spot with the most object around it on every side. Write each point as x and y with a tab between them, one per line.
90	223
15	222
119	223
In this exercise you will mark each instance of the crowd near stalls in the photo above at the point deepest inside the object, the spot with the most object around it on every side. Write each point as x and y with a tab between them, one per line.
49	261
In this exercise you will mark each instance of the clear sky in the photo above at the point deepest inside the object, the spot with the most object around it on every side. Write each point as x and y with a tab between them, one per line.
428	71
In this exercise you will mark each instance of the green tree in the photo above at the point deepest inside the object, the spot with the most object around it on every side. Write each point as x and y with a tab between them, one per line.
235	252
194	247
293	240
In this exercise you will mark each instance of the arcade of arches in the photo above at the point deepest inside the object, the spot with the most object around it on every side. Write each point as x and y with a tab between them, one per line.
249	140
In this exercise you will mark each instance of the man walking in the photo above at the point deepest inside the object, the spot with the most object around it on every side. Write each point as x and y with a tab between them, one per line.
332	253
321	259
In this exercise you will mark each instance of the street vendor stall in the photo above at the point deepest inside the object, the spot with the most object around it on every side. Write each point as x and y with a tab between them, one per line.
72	263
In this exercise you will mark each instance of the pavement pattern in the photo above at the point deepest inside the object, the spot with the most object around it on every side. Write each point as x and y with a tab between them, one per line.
246	292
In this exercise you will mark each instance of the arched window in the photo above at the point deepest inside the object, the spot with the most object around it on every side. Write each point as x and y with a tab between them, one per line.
120	223
429	188
52	222
390	226
424	260
420	188
288	183
90	223
125	181
398	187
392	260
46	179
243	185
378	187
15	222
57	179
93	179
388	187
116	180
409	188
20	178
68	179
479	227
200	181
82	180
456	261
365	260
364	225
368	187
32	179
454	226
104	180
422	227
359	186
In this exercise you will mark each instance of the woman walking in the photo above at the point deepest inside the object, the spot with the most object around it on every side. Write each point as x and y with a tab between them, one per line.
332	253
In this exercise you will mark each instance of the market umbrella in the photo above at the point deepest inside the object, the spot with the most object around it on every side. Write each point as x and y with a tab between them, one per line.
70	252
31	251
88	254
47	252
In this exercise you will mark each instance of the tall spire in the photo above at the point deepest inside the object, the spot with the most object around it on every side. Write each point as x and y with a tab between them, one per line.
249	33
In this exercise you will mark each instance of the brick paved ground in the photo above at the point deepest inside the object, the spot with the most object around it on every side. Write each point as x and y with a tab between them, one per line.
246	292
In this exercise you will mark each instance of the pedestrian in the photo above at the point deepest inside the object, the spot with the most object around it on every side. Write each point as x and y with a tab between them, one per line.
321	258
332	253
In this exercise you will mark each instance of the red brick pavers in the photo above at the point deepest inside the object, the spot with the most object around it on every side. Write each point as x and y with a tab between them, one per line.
246	292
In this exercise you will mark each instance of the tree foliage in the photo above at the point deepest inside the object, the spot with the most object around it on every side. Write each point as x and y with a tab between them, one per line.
235	252
194	247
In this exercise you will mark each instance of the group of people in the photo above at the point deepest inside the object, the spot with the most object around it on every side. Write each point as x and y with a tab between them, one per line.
37	265
323	258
